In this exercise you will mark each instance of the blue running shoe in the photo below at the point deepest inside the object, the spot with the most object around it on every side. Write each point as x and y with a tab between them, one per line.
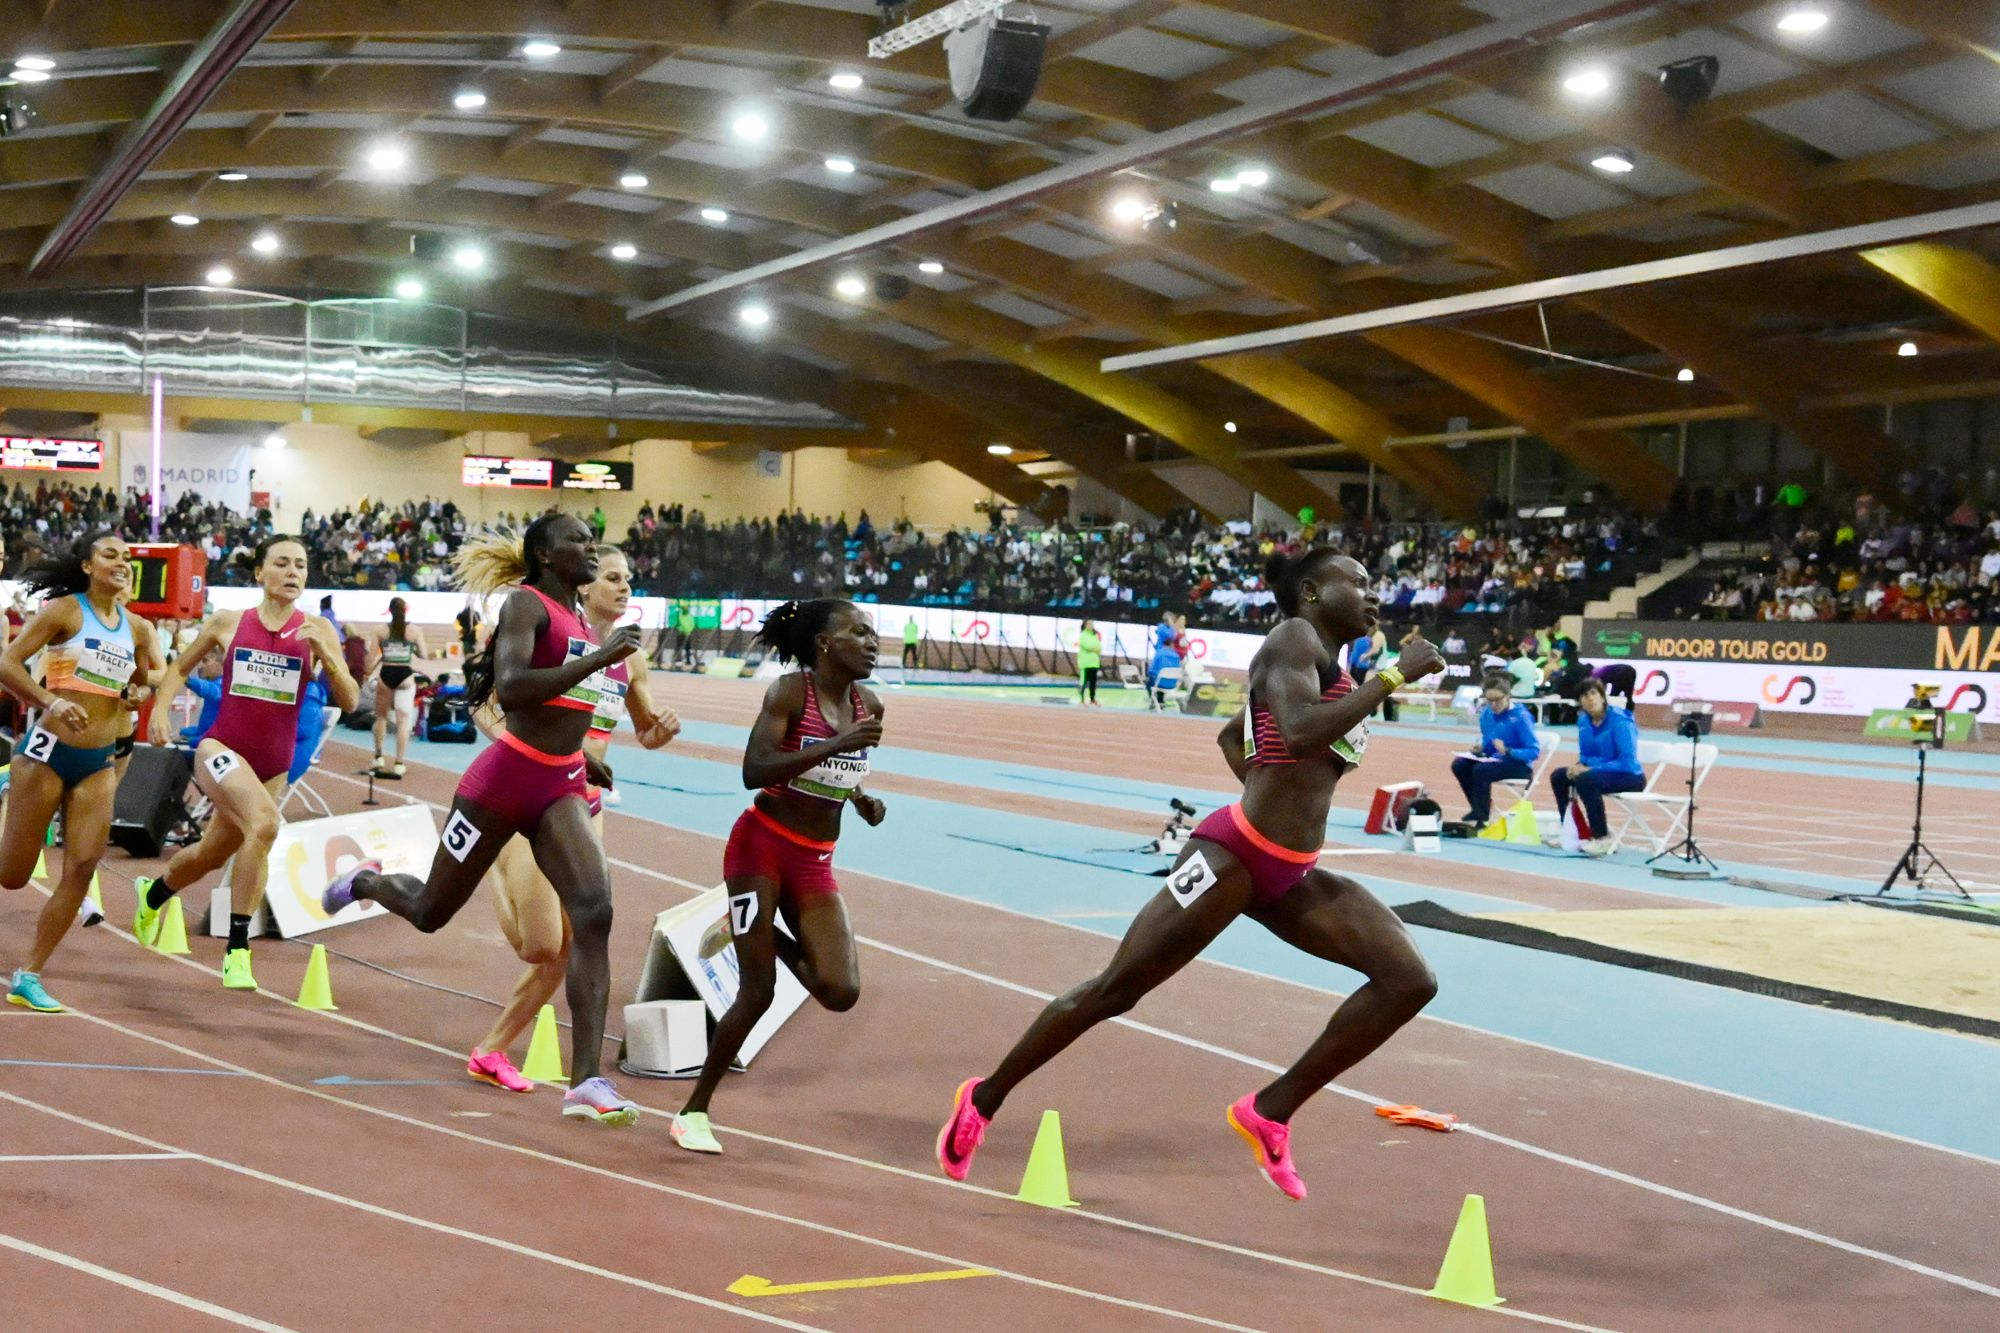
28	993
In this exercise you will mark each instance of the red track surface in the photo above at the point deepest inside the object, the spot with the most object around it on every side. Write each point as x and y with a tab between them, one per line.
452	1205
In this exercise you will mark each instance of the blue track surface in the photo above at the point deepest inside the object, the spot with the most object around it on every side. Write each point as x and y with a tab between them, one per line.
1930	1086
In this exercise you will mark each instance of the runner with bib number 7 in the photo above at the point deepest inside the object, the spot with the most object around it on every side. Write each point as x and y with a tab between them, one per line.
1303	727
808	752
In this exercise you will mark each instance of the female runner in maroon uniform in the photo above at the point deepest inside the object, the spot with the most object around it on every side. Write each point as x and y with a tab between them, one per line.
268	656
808	752
1307	727
544	667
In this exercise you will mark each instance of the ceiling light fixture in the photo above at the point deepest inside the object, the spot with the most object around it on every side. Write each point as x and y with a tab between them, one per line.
387	157
468	258
624	250
409	289
847	81
232	176
1000	450
1615	162
1590	81
715	215
930	266
540	48
840	166
634	180
1803	19
468	99
1686	376
1253	178
756	316
1229	426
851	286
750	126
184	220
220	276
1907	349
1130	208
27	74
42	63
265	243
1225	185
274	441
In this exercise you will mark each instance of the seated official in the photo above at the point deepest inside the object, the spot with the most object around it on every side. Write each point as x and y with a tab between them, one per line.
1507	749
1607	744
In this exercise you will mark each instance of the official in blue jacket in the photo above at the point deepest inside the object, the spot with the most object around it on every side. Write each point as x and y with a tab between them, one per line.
1607	743
1507	749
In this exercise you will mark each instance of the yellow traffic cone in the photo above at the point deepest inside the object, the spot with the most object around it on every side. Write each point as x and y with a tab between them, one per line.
544	1062
1046	1181
1467	1275
317	990
1523	825
96	894
173	929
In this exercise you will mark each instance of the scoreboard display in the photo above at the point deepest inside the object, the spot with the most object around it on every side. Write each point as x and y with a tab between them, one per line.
534	474
34	453
595	476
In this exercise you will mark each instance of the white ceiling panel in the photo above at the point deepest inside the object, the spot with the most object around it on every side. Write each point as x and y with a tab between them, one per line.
1965	92
1847	124
1160	279
1855	33
1508	118
1021	310
1155	53
1058	240
1426	140
1550	191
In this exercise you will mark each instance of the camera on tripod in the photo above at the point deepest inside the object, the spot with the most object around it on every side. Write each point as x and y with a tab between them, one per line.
1175	835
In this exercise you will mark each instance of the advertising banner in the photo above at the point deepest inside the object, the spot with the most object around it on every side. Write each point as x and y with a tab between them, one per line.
308	854
215	467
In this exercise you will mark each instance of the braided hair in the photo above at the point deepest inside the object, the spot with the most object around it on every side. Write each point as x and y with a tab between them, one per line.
791	627
1284	573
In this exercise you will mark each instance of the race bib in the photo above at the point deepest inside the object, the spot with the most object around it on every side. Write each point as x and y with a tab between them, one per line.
610	704
1194	878
1353	745
221	764
39	746
106	664
460	836
272	677
833	778
586	692
742	913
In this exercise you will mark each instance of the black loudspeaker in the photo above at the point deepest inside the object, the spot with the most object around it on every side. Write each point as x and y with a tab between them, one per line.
995	65
149	799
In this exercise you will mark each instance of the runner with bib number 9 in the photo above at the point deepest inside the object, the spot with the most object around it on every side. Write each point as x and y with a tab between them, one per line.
241	765
545	669
808	753
1303	727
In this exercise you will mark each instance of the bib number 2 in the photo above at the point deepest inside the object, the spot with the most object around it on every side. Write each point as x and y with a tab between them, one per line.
40	745
1194	878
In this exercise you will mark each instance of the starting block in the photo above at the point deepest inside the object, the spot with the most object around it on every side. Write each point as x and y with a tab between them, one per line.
1391	806
1423	828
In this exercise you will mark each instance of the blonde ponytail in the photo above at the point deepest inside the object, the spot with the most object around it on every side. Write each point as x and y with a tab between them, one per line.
490	560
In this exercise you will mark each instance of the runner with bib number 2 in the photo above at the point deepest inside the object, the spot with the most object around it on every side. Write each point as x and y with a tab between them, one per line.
1303	727
808	752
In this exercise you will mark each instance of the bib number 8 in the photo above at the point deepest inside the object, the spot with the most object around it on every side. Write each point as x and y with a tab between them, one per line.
40	746
1194	878
742	913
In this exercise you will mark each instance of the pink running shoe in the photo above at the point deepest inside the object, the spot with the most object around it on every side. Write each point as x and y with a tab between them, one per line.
1273	1143
962	1134
494	1067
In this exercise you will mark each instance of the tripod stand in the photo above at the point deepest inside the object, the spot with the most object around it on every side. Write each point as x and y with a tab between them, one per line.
1917	860
1694	863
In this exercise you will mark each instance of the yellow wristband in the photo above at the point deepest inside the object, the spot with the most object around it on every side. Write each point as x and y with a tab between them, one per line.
1391	677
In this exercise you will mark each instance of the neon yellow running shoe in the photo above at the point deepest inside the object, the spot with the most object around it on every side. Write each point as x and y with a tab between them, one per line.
690	1129
236	970
146	920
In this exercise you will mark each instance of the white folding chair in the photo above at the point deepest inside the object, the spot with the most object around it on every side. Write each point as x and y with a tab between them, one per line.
1524	788
315	804
1168	682
1657	813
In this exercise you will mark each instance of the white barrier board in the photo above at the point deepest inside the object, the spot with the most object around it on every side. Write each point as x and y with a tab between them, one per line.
310	853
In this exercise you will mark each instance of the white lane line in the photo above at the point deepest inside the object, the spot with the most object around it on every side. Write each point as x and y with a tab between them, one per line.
394	1215
130	1283
693	1196
95	1157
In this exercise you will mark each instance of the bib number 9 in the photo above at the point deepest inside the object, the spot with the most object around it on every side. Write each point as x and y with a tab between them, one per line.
742	913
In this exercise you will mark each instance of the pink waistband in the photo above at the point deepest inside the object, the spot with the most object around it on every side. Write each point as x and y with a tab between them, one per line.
519	746
787	834
1264	844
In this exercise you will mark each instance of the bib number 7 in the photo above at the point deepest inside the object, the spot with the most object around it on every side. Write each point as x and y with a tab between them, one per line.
742	913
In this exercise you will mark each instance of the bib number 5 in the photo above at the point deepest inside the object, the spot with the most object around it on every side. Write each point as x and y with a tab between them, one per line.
459	835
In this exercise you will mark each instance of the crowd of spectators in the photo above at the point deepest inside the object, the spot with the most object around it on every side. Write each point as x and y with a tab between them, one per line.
1862	562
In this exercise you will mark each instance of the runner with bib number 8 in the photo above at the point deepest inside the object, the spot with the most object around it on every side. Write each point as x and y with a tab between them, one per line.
1304	726
808	752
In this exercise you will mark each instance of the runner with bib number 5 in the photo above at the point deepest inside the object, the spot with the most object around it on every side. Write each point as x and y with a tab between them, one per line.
1303	727
268	656
808	752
